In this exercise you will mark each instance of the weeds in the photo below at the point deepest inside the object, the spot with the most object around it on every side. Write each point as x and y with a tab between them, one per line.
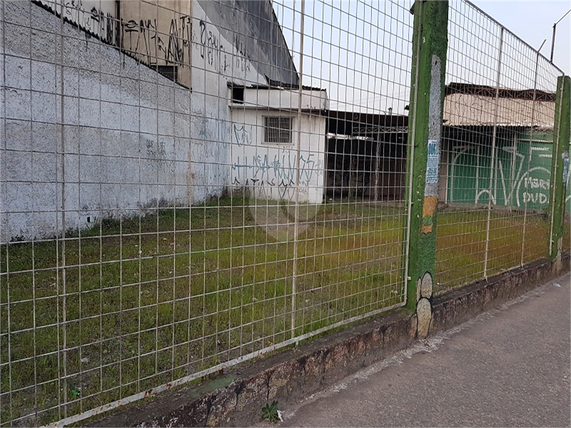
137	302
271	412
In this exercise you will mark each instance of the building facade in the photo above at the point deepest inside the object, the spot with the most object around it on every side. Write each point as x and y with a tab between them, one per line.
120	108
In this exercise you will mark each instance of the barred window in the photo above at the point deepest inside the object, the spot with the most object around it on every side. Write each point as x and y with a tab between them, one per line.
278	129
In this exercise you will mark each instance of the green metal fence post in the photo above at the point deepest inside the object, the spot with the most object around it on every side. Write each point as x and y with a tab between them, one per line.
559	168
430	38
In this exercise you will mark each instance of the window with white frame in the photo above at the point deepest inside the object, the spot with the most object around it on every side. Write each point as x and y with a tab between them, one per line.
277	129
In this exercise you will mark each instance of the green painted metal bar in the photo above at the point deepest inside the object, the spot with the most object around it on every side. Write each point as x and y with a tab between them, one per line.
430	38
559	166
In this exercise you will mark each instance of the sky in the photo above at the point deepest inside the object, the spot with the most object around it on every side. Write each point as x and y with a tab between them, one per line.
359	50
532	21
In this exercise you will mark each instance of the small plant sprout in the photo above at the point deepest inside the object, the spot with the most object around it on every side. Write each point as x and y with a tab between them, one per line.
271	412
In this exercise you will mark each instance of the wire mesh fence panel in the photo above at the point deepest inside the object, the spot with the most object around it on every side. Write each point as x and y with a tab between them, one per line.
349	257
187	185
499	112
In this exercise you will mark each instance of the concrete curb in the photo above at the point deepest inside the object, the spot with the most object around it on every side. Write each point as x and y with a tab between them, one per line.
236	398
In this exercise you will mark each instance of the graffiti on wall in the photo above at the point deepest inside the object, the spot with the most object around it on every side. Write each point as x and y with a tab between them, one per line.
520	179
102	25
96	17
211	49
533	187
279	167
243	135
279	171
158	157
215	54
155	39
174	46
275	177
144	38
242	61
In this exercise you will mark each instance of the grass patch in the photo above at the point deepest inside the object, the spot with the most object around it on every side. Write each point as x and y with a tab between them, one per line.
132	303
513	239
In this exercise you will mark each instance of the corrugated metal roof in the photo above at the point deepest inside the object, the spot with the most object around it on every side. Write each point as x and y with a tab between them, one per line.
466	109
489	91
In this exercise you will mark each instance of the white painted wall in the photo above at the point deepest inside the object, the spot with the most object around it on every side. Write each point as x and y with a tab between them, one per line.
269	171
215	62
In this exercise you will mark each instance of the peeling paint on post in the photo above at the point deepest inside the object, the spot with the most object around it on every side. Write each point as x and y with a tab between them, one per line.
559	168
425	129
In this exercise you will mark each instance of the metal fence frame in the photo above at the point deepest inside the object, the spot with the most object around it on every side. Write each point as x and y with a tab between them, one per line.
153	236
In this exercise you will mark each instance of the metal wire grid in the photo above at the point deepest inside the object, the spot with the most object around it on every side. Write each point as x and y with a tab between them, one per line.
150	247
499	115
343	52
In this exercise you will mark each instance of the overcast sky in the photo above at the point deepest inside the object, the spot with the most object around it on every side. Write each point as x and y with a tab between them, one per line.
360	50
532	21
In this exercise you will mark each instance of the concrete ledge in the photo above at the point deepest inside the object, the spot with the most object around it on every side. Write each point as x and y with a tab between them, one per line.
459	306
237	397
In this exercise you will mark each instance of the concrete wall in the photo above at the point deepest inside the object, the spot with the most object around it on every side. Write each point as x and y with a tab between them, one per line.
123	139
117	141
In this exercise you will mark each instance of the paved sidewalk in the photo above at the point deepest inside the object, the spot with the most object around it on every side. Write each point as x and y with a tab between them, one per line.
507	367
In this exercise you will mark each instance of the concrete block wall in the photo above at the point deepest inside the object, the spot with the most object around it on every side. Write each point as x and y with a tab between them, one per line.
89	132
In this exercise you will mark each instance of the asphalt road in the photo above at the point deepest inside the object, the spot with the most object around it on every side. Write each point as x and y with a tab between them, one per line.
508	367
